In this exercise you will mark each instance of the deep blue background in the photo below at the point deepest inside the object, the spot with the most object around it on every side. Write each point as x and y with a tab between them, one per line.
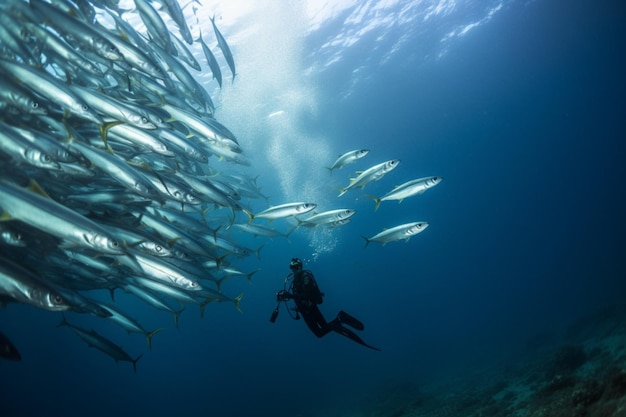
524	118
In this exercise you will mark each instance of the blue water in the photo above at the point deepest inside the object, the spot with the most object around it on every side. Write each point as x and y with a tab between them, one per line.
523	117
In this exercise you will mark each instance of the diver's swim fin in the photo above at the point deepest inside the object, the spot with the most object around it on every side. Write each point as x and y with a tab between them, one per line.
346	318
351	335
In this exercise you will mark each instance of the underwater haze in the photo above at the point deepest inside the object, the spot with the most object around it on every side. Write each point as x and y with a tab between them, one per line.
517	104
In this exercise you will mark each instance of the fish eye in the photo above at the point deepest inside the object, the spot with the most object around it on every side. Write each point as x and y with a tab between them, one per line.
84	107
144	120
193	284
56	299
115	244
34	105
141	188
158	248
47	158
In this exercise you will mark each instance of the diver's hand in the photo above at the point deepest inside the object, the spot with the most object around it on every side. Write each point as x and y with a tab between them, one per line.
282	295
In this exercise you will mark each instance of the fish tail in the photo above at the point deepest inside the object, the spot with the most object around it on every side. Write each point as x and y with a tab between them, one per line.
176	314
135	362
237	300
289	232
202	306
258	252
376	200
219	260
250	215
249	275
218	284
367	241
149	337
64	321
104	129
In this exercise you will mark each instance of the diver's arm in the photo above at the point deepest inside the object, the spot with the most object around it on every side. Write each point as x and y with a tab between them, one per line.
286	295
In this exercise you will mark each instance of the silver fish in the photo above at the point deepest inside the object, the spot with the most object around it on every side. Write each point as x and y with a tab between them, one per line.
128	323
77	30
210	59
54	218
119	170
155	25
221	42
281	211
54	90
20	98
21	150
403	231
24	286
94	339
348	158
327	217
374	173
408	189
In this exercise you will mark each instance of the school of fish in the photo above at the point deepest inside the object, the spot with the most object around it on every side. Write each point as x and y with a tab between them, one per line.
115	174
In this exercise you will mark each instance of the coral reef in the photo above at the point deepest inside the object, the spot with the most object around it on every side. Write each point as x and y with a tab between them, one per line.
584	376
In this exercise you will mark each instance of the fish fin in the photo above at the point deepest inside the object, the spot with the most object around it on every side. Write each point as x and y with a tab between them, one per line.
4	216
104	129
367	241
376	200
172	242
249	275
250	215
203	305
176	314
36	188
342	191
258	252
64	321
149	337
135	362
218	284
237	300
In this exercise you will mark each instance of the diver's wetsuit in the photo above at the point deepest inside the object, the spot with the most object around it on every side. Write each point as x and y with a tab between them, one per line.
307	296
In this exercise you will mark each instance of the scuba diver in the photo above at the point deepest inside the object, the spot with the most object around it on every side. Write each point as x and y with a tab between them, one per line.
307	295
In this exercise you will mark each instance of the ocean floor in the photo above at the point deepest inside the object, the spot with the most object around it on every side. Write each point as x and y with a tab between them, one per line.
582	373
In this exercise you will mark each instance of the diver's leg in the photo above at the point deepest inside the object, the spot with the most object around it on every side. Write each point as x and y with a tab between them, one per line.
315	321
346	318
